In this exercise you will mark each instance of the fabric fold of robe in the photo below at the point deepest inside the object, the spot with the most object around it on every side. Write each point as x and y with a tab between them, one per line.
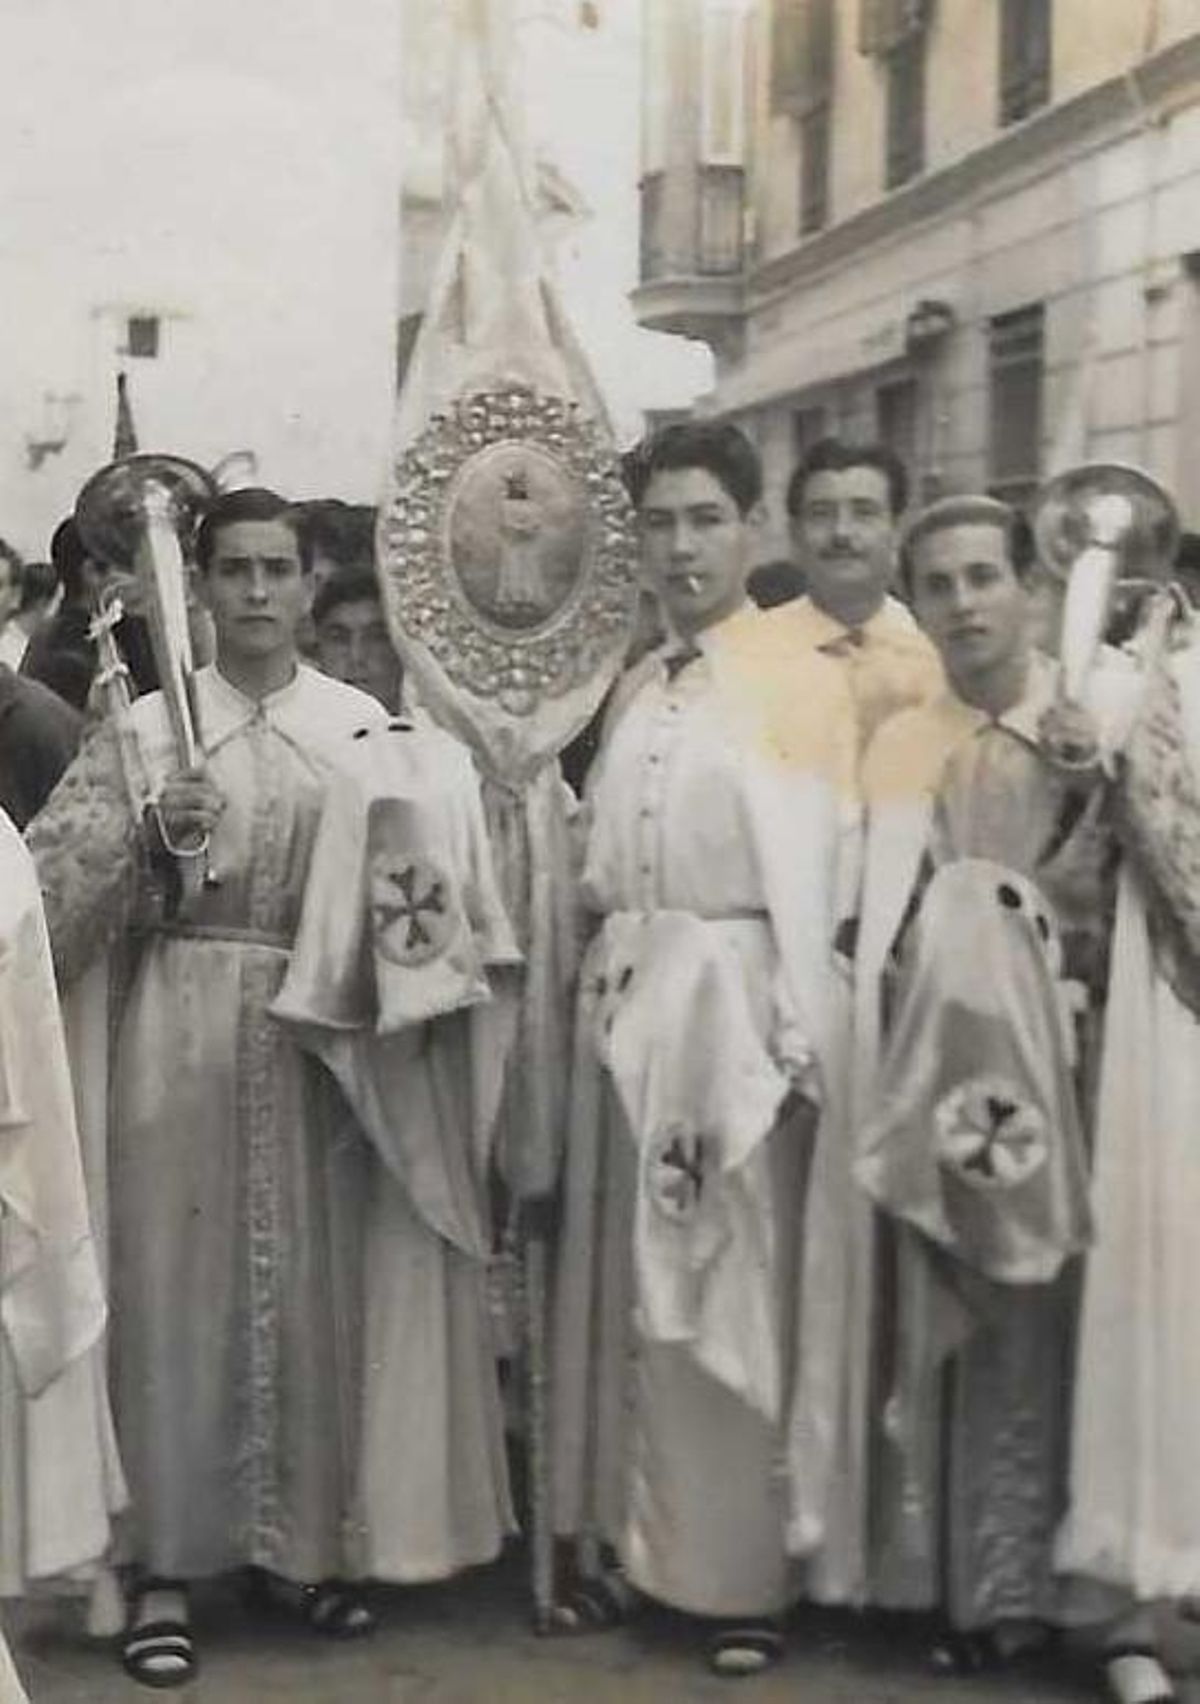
719	823
59	1476
397	983
977	1141
1133	1520
700	1096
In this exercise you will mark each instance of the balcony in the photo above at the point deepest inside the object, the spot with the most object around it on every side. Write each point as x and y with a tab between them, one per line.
692	253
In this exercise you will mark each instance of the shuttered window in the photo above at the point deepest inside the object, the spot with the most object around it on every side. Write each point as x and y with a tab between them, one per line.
801	54
1016	363
814	169
1025	46
883	25
723	99
905	111
896	419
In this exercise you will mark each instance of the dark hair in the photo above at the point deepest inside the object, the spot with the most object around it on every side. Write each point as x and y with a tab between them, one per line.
716	446
1187	554
344	532
39	582
13	558
352	585
832	455
777	582
68	553
253	503
968	511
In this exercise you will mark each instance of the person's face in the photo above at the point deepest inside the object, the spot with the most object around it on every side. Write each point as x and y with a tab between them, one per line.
103	581
323	568
845	536
353	645
695	547
968	598
10	594
255	589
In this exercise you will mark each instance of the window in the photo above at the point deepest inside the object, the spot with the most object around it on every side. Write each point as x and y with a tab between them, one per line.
407	330
722	105
801	54
1015	366
884	24
808	427
721	215
141	336
814	169
896	419
656	87
1025	35
906	110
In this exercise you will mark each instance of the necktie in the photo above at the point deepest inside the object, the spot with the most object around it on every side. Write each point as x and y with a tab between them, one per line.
676	661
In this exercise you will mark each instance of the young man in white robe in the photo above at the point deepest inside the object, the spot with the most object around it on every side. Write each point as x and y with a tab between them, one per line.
60	1481
988	893
234	1182
707	1016
403	983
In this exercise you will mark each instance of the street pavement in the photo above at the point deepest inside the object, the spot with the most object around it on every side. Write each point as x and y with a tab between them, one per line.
469	1642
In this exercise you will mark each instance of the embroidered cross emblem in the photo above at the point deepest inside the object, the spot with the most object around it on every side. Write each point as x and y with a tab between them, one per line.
410	908
676	1174
999	1115
989	1134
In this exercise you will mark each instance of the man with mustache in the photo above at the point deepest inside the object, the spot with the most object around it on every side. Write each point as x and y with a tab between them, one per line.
844	505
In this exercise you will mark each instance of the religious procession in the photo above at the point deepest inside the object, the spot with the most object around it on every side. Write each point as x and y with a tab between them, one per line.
615	1032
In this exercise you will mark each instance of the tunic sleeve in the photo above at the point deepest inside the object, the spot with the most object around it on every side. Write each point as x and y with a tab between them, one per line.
87	849
1159	816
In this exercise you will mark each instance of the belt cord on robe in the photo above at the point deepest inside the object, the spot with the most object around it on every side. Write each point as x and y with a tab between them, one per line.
528	831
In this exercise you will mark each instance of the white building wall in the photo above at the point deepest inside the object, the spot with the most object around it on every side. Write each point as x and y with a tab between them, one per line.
1096	223
239	179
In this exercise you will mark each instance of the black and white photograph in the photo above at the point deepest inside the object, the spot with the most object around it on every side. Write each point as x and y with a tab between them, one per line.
600	851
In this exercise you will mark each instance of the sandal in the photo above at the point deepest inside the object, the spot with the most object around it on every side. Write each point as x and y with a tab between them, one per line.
594	1604
1134	1674
954	1654
737	1652
160	1652
338	1610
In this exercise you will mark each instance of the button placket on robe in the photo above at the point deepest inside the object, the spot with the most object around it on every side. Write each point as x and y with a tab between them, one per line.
664	732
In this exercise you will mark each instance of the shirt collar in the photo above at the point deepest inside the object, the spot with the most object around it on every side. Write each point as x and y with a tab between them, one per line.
711	636
889	621
235	698
1021	718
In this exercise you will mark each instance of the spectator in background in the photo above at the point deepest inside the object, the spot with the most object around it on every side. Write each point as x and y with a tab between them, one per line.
352	640
39	734
11	566
339	538
62	654
41	594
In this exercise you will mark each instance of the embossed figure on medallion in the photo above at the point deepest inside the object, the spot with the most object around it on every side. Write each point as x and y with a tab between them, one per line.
516	535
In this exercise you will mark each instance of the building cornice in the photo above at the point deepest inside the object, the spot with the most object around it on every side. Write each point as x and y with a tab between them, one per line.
1126	101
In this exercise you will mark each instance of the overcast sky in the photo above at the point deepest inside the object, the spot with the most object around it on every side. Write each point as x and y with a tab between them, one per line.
234	164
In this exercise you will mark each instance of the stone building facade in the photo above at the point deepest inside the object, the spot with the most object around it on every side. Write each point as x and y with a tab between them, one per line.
969	227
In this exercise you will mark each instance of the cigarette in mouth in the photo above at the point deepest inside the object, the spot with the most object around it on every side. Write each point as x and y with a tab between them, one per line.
692	582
